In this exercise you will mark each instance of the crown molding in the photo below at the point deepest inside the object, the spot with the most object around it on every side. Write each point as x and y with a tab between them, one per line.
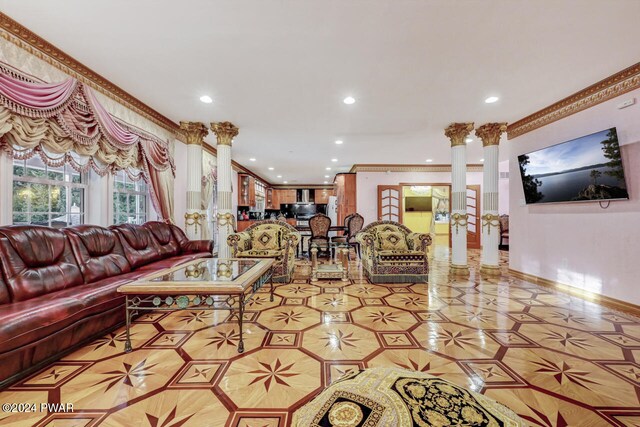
26	39
409	168
615	85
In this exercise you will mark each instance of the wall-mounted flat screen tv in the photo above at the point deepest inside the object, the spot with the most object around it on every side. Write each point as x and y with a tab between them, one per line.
583	169
418	204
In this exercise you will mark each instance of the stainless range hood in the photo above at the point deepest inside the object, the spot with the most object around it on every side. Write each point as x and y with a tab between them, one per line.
304	195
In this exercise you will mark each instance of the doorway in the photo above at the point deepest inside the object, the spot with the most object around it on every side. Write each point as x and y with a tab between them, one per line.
426	209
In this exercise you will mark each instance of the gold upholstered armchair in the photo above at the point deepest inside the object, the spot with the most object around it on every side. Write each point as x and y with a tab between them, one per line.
268	239
391	253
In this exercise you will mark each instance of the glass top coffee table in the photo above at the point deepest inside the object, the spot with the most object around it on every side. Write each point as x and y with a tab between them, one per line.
203	284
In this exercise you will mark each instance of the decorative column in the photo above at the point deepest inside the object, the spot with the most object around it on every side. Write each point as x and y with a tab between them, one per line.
457	132
225	131
490	135
194	218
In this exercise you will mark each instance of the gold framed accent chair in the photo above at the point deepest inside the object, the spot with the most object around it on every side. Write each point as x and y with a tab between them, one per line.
268	239
391	253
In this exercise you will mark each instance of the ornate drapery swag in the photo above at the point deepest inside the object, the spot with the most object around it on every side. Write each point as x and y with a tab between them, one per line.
65	123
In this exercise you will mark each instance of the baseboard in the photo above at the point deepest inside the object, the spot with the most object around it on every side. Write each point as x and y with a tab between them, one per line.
603	300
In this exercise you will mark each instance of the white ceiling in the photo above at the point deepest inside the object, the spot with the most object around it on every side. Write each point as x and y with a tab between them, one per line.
279	69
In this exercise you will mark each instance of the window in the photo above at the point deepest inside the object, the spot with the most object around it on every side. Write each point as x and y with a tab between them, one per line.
129	200
47	195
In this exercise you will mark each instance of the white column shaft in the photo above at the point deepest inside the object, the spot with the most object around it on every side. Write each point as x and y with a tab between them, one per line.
194	189
224	198
490	229
458	205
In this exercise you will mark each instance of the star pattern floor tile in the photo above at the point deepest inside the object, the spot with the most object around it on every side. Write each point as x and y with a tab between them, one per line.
554	359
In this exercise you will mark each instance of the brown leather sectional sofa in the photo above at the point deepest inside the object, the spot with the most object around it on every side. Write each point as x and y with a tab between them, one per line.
58	288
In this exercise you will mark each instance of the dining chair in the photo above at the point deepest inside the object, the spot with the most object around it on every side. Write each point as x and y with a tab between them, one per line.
319	225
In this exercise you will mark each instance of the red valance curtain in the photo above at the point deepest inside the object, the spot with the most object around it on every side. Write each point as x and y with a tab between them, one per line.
65	123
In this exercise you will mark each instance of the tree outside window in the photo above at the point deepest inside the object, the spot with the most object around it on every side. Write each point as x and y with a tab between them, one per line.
130	200
47	195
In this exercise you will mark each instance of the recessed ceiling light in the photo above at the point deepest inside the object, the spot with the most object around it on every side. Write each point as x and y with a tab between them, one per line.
468	139
286	182
327	176
482	160
334	160
349	100
339	141
491	99
429	160
279	176
270	169
206	99
328	169
326	182
252	159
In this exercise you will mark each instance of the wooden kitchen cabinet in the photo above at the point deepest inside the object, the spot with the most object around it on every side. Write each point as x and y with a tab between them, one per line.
246	190
286	196
345	186
322	196
269	199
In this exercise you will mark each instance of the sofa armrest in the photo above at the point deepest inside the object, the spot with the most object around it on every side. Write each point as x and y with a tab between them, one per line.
293	238
239	242
193	246
418	241
365	239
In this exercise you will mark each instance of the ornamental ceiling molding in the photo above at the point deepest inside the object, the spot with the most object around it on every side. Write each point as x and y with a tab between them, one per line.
24	38
615	85
410	168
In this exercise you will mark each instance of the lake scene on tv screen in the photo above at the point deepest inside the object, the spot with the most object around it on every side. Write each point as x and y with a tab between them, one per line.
586	168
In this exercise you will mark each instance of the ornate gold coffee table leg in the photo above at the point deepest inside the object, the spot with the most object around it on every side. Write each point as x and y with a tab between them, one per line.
344	259
314	263
240	318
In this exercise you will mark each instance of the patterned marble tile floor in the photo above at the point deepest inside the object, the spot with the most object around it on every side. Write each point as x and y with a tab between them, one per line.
554	359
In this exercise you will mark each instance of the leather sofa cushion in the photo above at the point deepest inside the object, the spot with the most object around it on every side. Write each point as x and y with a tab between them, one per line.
4	292
138	244
173	261
164	237
36	260
98	252
28	321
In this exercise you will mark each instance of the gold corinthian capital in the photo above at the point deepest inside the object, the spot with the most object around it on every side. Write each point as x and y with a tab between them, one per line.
225	132
490	133
457	132
194	131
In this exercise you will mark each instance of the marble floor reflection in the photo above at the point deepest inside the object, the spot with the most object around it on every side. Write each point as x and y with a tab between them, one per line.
554	359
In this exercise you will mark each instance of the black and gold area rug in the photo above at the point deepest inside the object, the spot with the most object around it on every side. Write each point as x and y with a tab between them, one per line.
397	397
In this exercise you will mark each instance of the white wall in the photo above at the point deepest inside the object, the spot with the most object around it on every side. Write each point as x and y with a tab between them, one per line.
367	186
581	244
503	189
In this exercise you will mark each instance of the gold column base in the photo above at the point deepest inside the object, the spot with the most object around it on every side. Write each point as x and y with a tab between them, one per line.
459	270
490	270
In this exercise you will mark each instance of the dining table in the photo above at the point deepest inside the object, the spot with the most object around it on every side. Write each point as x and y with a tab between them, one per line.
305	231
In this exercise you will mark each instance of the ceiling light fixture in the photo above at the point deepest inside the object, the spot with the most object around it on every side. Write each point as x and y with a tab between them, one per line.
482	160
252	159
429	160
339	141
328	169
279	176
491	99
270	169
349	100
327	176
206	99
286	182
334	160
468	139
326	182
